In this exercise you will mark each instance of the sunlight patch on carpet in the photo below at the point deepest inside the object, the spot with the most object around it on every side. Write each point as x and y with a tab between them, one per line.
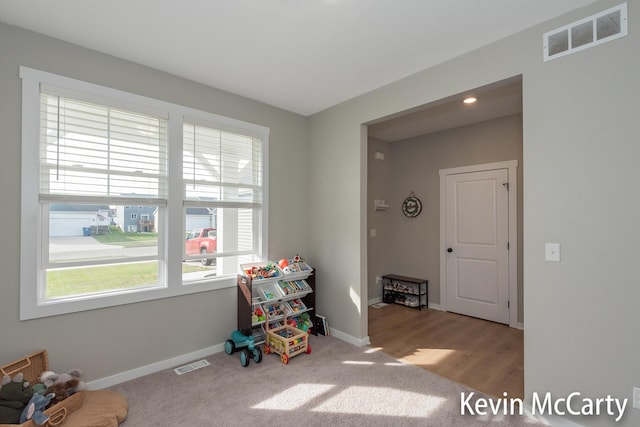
294	397
398	363
381	401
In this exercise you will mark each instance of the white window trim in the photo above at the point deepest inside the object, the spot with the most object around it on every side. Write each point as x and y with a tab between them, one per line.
31	227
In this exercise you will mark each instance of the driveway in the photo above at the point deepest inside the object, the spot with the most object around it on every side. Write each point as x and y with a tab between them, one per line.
75	243
77	248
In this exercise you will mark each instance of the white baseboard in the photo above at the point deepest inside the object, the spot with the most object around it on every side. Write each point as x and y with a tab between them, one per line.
358	342
132	374
153	367
520	326
379	299
374	300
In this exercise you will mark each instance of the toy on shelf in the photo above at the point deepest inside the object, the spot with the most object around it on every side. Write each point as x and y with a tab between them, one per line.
245	344
274	310
303	322
295	268
271	291
257	316
297	305
268	270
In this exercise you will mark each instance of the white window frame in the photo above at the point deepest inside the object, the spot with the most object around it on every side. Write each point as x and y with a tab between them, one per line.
32	304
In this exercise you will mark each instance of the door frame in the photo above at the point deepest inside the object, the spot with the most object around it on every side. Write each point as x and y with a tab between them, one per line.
512	167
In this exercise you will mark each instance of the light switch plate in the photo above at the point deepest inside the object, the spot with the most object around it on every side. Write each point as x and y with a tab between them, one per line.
552	252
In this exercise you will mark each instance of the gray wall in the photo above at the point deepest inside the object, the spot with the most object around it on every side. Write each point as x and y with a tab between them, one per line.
410	246
114	340
380	185
581	127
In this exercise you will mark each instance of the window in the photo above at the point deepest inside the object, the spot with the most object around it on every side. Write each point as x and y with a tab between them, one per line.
222	173
99	151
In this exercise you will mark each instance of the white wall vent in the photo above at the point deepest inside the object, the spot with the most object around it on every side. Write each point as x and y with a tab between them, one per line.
592	31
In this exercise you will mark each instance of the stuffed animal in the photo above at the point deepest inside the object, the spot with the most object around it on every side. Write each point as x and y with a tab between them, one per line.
39	389
14	395
63	390
34	409
49	378
304	322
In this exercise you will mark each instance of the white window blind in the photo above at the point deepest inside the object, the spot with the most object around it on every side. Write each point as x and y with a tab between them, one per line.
221	168
92	157
90	151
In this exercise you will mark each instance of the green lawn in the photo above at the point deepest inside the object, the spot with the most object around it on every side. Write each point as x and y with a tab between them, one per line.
117	237
77	281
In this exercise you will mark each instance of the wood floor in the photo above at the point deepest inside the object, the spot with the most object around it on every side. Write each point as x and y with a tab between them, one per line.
486	356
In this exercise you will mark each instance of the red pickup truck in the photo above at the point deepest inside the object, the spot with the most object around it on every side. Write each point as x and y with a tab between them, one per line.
201	241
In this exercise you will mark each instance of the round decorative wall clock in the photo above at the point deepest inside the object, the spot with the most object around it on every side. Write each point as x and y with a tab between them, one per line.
412	206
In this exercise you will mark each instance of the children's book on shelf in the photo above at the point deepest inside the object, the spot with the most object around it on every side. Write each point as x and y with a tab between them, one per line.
292	287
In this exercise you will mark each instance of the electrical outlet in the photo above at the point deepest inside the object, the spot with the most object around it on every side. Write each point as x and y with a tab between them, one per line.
636	397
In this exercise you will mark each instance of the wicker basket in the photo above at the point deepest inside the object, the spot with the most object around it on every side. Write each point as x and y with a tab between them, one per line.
31	367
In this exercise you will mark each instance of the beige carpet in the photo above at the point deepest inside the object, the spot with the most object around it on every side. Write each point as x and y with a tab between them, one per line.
337	384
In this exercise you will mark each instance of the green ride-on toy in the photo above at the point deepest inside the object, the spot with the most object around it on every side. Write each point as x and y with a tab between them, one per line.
245	344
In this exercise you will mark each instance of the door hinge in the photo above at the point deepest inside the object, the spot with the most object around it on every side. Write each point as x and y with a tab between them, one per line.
506	185
508	246
508	304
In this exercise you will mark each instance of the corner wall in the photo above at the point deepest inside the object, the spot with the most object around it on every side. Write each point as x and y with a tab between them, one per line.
114	340
581	128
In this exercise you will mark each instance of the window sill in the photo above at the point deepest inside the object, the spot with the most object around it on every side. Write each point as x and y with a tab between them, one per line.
59	306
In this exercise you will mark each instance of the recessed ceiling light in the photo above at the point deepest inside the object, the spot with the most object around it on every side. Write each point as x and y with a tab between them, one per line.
469	100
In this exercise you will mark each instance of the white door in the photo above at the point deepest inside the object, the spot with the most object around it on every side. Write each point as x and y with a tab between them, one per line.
477	236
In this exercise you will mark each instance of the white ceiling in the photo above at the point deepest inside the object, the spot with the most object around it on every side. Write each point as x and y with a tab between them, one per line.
299	55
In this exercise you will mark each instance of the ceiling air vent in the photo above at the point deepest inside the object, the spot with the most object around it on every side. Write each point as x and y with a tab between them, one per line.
592	31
